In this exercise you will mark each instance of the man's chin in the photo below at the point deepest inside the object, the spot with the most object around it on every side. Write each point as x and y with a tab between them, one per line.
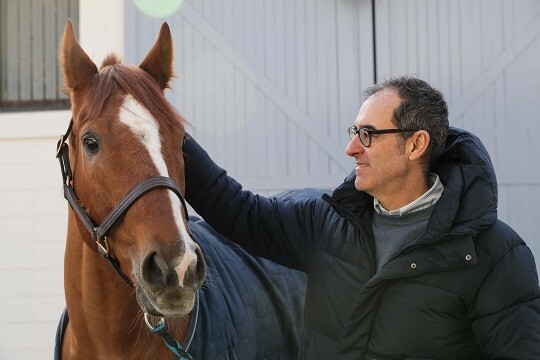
359	185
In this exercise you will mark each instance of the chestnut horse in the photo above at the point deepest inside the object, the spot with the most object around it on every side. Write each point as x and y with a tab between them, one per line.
122	166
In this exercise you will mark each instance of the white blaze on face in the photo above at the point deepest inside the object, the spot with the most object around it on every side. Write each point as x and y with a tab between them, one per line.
146	129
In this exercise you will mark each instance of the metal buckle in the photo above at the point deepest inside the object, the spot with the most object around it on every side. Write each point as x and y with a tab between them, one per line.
103	246
60	146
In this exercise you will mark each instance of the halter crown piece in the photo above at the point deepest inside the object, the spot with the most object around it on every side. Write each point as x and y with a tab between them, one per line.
99	233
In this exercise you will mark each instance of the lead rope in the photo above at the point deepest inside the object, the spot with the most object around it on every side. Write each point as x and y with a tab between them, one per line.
162	330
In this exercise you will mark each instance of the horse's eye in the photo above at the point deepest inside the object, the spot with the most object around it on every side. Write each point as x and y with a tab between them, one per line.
91	144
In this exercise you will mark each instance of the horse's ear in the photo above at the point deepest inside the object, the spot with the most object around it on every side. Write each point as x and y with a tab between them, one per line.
76	64
159	60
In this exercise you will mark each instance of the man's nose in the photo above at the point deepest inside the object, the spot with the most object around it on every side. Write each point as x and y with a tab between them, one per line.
354	146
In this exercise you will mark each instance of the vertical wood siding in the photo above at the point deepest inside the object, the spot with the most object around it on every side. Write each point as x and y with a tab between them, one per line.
270	87
484	56
30	32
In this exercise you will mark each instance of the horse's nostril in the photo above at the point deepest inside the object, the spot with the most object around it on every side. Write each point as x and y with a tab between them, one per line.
158	273
200	271
195	271
154	269
190	276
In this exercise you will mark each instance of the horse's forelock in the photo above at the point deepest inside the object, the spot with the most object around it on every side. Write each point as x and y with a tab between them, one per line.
139	84
110	59
94	94
114	76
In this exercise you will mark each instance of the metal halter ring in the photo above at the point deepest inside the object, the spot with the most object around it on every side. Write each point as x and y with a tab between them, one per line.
160	325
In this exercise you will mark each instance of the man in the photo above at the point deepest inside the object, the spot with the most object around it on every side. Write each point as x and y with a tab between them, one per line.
407	258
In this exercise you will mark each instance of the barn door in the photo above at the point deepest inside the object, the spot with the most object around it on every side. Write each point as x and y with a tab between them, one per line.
270	87
484	56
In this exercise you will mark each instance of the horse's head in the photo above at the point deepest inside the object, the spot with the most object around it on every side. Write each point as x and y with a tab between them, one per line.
125	132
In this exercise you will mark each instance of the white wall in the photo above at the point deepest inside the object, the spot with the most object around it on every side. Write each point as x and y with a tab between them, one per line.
33	212
33	222
101	28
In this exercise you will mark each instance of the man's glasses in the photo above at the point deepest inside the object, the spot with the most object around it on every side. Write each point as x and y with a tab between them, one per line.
365	134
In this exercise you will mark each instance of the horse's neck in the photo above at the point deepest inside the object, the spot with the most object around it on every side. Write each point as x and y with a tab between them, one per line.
104	316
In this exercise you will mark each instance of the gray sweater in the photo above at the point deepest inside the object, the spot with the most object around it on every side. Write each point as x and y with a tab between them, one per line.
392	233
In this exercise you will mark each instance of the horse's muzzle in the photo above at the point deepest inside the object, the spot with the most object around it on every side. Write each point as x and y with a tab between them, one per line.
164	290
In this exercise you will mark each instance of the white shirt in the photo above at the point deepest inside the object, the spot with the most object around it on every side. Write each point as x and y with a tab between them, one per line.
429	198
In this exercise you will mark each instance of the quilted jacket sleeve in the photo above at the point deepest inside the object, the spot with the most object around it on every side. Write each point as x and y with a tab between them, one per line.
282	231
508	308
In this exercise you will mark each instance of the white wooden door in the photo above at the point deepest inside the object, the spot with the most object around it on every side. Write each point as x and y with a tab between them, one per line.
270	87
483	54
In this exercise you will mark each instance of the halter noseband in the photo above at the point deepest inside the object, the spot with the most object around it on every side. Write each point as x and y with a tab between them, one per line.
99	233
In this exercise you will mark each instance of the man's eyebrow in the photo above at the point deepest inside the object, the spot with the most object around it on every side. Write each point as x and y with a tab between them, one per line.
366	126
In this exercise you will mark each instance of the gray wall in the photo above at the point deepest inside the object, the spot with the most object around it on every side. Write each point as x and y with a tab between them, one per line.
483	54
271	86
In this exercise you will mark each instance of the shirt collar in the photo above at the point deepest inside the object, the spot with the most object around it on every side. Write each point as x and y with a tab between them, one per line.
429	198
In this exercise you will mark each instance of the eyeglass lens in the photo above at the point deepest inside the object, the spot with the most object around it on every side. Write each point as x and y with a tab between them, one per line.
363	134
365	137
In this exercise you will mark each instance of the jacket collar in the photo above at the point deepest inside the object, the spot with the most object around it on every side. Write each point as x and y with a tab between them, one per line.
469	202
347	195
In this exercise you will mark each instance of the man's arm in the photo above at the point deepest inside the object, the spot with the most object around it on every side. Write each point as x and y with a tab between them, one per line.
282	231
508	308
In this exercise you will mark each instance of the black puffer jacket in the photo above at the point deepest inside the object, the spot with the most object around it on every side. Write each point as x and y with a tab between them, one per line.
468	288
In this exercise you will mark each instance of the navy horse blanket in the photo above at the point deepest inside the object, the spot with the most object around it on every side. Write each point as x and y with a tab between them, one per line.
249	307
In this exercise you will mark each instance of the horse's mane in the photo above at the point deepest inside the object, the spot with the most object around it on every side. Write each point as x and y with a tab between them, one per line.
113	76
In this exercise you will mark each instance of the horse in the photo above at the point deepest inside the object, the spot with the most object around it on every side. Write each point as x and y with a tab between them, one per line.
174	288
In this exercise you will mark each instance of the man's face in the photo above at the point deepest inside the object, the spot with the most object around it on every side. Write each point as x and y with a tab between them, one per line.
381	168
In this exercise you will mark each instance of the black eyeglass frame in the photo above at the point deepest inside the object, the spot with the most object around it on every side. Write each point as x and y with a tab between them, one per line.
353	131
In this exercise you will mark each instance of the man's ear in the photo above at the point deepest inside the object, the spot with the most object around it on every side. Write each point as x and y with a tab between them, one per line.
417	144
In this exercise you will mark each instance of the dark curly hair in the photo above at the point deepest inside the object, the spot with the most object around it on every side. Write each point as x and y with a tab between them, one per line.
422	108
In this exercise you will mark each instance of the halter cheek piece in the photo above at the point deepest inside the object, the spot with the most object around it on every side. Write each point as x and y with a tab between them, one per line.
99	233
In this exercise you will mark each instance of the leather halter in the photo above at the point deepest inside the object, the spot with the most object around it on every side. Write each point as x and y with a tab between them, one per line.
99	233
